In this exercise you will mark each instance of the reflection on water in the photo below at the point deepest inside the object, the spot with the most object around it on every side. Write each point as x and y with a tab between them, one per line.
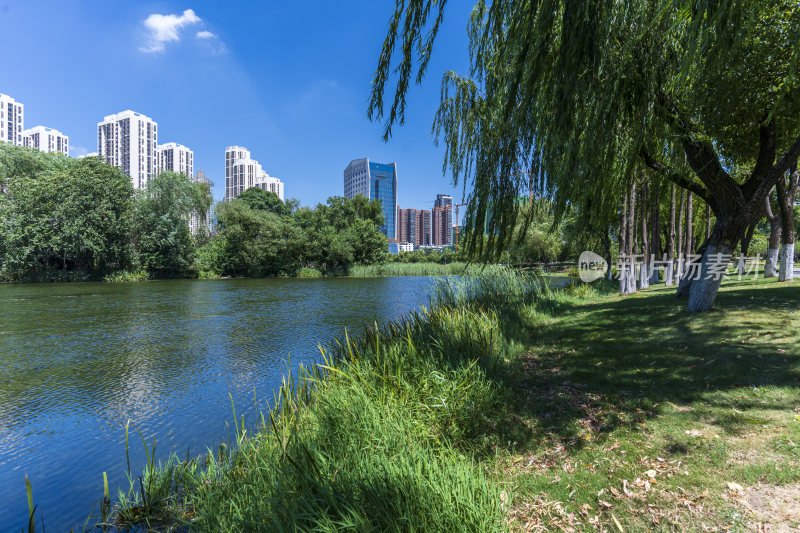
79	360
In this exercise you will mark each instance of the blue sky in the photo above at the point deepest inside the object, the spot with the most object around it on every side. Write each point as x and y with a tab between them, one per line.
288	80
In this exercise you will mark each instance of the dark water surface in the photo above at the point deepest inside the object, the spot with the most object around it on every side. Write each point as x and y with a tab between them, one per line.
78	360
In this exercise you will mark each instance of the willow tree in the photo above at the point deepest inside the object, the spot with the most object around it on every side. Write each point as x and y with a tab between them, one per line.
580	93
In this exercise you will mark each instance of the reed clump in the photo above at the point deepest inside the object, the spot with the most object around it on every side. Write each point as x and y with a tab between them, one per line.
416	269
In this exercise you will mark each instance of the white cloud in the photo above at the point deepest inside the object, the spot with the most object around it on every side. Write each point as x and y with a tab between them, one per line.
212	41
76	151
165	28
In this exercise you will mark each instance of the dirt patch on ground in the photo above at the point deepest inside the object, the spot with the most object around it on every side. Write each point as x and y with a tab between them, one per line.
776	508
659	510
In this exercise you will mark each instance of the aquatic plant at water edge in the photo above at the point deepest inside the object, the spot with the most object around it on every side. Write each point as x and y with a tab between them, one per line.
380	435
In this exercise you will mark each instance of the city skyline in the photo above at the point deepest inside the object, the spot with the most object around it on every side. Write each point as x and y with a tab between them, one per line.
129	141
240	168
283	100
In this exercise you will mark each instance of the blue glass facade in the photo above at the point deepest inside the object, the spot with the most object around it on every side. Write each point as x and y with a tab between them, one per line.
383	186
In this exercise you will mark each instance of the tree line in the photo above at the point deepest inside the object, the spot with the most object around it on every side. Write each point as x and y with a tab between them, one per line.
65	219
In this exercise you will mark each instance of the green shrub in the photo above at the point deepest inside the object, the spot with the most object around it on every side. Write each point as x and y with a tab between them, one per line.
758	245
126	275
307	272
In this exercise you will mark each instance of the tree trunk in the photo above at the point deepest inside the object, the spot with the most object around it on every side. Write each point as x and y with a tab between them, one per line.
689	226
771	263
680	258
655	223
708	222
787	262
725	235
623	246
689	265
747	238
669	274
786	196
637	244
644	272
630	286
704	290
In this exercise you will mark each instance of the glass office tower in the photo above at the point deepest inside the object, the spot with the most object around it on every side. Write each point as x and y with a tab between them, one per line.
375	180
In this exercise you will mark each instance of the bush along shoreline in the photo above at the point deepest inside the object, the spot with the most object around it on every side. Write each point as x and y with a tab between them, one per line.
391	269
385	433
379	270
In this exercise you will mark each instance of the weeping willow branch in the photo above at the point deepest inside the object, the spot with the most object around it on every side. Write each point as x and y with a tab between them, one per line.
579	95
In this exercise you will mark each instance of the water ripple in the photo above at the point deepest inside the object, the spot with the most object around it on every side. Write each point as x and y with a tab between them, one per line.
79	360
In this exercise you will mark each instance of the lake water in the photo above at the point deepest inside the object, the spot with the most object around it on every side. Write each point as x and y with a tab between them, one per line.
78	360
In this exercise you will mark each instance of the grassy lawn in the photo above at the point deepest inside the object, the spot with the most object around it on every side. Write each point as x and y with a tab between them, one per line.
508	406
634	415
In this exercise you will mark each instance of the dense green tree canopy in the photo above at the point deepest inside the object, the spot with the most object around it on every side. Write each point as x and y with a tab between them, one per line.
341	212
257	198
343	232
61	213
255	240
160	223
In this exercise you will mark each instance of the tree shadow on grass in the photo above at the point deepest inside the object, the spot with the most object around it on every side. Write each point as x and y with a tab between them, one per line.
618	362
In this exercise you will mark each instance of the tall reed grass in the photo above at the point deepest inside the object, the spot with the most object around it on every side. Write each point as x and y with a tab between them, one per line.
379	436
495	288
414	269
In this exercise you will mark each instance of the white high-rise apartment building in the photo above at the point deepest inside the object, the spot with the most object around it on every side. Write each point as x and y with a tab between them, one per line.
243	172
129	141
45	140
175	157
11	120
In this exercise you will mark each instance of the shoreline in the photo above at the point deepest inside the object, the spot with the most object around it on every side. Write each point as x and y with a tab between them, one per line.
388	269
